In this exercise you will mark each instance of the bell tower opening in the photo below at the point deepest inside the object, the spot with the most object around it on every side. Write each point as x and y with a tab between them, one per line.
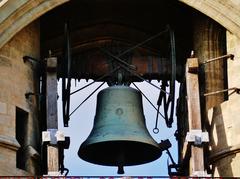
153	47
128	43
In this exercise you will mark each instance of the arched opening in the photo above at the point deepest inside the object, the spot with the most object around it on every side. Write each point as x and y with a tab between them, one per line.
115	27
98	26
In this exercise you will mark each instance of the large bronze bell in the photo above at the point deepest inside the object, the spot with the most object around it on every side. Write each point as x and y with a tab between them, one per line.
119	136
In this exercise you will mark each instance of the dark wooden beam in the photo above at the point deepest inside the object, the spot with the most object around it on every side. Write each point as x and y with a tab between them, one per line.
52	118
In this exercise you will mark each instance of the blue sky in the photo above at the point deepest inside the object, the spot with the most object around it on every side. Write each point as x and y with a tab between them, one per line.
81	123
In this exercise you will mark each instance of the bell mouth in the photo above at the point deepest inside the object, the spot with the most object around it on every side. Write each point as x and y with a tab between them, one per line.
128	153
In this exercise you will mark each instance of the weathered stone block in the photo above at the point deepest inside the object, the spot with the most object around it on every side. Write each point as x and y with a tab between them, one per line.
3	108
17	78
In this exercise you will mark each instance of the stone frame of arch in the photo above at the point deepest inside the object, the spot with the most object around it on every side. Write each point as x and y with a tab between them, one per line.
15	14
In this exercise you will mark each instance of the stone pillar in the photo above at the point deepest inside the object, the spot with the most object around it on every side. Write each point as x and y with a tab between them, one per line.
225	153
16	111
218	111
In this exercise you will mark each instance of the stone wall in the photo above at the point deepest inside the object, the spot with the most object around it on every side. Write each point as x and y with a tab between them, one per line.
16	79
220	114
225	121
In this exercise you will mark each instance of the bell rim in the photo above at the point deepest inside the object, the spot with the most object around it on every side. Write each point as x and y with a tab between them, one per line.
157	152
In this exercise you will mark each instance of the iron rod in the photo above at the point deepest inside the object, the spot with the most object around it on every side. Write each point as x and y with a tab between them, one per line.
137	75
145	41
173	78
100	78
87	98
118	59
155	129
170	155
148	100
134	73
237	90
231	56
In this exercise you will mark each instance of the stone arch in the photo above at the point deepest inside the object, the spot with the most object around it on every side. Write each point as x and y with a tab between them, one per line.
226	13
16	14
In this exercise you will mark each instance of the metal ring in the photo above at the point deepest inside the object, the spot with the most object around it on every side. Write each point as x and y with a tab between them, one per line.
155	130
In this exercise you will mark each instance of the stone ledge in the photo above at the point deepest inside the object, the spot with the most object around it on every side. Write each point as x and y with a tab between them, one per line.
9	142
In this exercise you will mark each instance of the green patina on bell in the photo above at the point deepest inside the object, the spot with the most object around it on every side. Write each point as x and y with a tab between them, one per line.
119	136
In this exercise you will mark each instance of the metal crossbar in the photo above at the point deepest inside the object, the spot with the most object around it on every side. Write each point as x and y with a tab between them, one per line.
143	42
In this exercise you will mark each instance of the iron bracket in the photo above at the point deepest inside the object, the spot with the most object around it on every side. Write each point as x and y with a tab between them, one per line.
28	58
177	169
237	90
231	56
197	137
28	94
165	145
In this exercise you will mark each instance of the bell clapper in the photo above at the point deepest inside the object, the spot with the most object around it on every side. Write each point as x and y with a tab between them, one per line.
120	162
120	169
